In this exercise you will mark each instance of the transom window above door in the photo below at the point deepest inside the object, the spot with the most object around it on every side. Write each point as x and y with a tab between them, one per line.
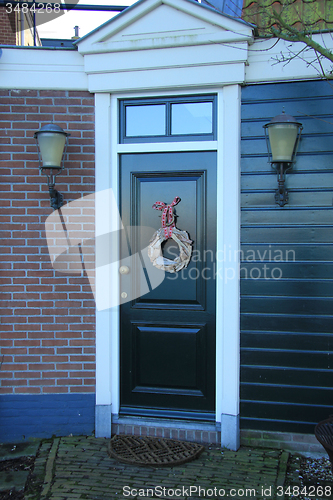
191	118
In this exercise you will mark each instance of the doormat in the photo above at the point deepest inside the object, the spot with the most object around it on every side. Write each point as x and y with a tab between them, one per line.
142	450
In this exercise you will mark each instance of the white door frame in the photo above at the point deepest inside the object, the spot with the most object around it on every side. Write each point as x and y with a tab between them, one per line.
227	146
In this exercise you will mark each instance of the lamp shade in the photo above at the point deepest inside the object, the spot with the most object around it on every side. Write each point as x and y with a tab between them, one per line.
283	133
51	140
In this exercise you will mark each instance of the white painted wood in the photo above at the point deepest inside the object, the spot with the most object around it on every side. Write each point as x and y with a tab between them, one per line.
227	266
172	57
177	86
162	79
219	264
168	146
103	225
163	40
160	23
115	311
188	45
36	68
175	65
174	17
227	319
263	55
230	348
117	149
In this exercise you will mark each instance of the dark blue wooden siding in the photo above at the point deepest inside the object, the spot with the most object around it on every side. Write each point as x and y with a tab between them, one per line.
25	416
287	306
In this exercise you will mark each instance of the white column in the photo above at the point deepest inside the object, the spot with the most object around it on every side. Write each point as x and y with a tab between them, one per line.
103	224
228	347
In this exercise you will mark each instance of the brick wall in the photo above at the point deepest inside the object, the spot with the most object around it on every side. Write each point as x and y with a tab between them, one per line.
47	317
7	27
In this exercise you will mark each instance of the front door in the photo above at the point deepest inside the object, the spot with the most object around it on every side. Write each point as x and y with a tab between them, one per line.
167	340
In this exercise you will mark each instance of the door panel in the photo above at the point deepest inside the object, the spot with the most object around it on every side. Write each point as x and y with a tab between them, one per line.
178	363
186	293
168	334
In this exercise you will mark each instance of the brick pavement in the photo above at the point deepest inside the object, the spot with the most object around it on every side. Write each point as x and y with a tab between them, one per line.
79	468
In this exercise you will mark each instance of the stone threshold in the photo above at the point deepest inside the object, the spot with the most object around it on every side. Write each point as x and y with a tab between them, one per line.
183	430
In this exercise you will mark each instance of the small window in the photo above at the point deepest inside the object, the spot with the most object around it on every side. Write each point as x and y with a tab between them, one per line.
191	118
146	120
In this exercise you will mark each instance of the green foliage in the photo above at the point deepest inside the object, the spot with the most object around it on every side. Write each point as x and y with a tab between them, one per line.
294	21
284	16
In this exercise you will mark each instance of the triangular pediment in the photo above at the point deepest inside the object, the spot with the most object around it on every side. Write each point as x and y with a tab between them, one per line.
164	23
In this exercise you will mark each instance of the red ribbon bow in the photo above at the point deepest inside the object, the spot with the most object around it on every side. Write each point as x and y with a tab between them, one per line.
168	219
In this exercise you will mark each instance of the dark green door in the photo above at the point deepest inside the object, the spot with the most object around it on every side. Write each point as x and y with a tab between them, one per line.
167	342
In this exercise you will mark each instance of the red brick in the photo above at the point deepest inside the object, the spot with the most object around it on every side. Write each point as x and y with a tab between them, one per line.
71	381
45	311
33	382
55	390
89	366
69	366
13	383
80	373
6	390
28	342
40	101
83	389
53	93
53	342
27	375
41	366
76	358
66	101
88	381
58	374
55	359
81	342
27	390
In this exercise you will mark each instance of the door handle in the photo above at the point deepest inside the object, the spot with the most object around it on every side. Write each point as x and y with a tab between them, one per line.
124	270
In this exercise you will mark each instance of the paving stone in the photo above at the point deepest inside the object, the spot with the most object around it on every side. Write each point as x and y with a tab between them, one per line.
83	470
13	479
10	451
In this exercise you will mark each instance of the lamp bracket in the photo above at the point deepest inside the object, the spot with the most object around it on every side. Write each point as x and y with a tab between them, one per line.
281	194
56	198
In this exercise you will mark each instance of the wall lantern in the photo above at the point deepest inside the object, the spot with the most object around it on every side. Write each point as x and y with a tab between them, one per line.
52	143
282	140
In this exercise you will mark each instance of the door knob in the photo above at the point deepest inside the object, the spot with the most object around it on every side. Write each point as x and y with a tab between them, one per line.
124	270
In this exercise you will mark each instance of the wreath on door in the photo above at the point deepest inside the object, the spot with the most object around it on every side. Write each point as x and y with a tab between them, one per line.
169	230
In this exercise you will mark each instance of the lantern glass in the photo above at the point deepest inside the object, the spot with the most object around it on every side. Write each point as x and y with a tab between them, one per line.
282	137
51	146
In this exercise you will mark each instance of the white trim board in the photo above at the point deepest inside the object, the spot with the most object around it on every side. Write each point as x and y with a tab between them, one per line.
213	65
162	23
39	69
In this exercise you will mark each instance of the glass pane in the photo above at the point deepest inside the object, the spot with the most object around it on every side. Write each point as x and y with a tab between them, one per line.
145	120
192	118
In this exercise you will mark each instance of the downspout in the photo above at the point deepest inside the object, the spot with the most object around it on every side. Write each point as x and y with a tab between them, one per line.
22	28
34	22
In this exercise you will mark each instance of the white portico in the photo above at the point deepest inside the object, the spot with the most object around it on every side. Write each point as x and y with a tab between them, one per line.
171	48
